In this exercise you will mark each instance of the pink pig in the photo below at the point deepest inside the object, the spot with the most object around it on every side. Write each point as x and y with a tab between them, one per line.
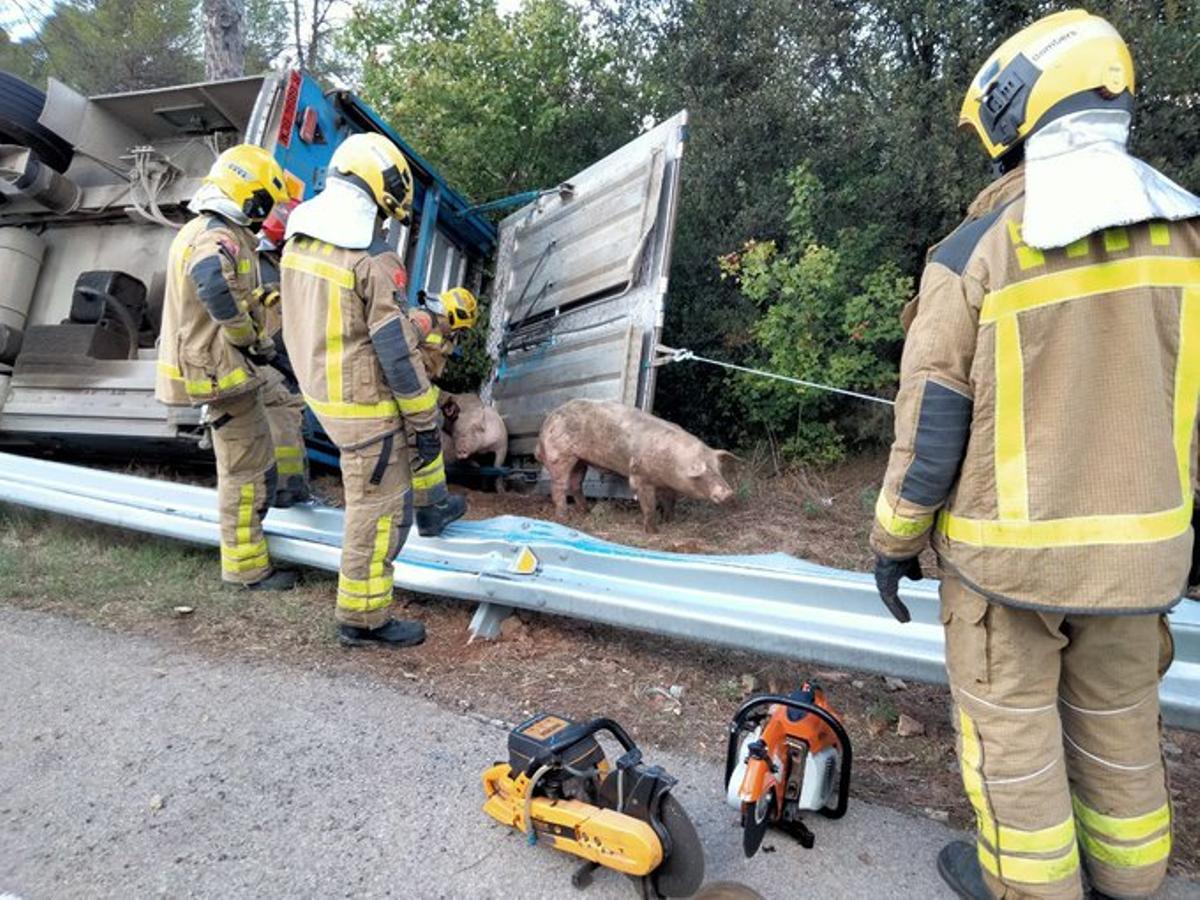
476	429
660	459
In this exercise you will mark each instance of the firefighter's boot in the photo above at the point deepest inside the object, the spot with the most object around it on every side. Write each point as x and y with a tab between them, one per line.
432	520
292	495
279	580
958	864
394	633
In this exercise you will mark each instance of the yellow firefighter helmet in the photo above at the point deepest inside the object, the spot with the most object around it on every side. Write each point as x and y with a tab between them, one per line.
1060	64
251	178
377	165
459	306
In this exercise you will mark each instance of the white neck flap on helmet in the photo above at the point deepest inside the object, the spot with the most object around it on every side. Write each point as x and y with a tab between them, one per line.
1080	178
343	215
211	199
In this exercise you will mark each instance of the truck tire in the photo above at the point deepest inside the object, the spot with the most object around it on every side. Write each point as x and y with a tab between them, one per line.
20	105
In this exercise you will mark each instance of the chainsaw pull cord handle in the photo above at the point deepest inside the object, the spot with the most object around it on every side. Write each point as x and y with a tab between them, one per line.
843	739
530	833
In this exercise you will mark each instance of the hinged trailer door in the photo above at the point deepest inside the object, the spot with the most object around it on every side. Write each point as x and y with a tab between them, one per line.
581	278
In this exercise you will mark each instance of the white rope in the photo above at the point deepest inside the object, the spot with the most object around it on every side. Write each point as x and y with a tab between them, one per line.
683	355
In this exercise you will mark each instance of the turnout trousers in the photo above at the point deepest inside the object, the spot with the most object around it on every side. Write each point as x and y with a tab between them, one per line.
241	438
428	482
379	511
285	415
1058	743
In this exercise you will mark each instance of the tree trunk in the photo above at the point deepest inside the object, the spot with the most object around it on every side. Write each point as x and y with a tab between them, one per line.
224	39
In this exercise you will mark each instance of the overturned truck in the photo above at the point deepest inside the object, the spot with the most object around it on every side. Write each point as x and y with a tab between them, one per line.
92	190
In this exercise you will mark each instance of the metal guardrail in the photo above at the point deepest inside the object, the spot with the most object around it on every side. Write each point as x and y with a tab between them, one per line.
771	603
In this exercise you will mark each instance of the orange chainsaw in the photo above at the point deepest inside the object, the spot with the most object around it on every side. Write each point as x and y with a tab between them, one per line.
787	755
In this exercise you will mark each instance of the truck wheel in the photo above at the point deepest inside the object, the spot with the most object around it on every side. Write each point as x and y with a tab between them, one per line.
20	105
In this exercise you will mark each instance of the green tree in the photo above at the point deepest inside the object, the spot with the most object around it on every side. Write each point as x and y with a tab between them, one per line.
104	46
19	58
828	315
500	103
867	95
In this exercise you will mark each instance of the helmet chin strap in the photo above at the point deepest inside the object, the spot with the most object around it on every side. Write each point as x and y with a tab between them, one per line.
1009	161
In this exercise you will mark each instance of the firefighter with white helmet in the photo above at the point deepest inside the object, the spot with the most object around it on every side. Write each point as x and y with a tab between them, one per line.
1046	444
212	351
357	360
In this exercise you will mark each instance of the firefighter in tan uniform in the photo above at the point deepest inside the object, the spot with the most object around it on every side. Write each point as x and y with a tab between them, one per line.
355	356
212	352
437	322
1046	442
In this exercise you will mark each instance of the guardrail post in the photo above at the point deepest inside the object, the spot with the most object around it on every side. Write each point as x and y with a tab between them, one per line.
487	620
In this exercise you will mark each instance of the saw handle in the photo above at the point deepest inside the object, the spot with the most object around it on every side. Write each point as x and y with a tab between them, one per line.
737	725
573	734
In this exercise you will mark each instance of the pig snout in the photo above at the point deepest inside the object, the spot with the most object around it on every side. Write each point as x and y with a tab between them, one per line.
720	493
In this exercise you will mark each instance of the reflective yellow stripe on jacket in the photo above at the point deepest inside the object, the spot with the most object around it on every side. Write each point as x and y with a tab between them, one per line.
202	387
1014	527
335	405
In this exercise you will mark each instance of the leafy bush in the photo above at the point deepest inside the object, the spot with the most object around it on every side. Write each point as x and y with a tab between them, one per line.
829	314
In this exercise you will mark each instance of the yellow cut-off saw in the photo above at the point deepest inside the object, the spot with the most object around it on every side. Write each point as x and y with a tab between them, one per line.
559	787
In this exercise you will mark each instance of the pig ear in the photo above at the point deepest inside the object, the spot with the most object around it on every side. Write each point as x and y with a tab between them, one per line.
728	462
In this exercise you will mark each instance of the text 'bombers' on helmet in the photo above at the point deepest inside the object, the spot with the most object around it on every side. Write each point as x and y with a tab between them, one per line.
1063	63
250	177
378	166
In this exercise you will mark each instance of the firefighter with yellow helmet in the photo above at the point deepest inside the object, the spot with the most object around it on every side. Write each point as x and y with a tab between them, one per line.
438	322
357	360
1046	443
213	353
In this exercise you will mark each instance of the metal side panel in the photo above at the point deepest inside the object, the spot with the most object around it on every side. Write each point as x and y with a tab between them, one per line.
581	277
769	603
91	398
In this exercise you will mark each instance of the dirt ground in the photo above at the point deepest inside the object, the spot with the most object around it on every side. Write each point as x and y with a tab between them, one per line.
668	694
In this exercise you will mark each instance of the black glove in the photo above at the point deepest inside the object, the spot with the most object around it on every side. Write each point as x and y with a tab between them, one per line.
429	445
888	573
261	352
1194	575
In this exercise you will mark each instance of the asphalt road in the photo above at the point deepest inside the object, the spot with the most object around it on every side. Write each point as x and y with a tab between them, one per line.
130	768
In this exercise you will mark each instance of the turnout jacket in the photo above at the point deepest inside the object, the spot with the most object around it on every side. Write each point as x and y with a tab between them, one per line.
208	314
351	345
1046	436
436	346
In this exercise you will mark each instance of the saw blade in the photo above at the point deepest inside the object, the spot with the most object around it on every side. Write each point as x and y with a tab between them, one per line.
682	872
755	819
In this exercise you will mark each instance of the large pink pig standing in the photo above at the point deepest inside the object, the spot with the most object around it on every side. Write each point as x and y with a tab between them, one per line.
660	460
476	429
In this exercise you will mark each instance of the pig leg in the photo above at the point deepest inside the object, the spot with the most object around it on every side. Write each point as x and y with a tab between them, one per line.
647	497
667	499
578	473
559	471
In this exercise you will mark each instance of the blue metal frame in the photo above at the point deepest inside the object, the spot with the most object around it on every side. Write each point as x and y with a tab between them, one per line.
341	114
430	204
